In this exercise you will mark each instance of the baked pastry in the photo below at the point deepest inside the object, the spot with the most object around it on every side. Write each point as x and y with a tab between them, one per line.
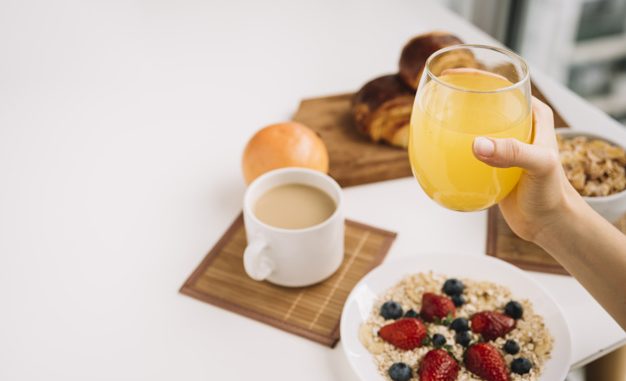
382	110
417	50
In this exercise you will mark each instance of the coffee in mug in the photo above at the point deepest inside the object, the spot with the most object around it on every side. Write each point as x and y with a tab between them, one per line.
294	206
294	227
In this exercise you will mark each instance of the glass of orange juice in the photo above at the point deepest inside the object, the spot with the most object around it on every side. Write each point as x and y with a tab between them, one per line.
488	96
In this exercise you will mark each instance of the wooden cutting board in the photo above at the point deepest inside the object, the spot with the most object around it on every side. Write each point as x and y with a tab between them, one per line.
504	244
354	159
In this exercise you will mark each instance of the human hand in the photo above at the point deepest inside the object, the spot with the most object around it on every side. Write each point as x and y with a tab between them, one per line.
543	192
545	209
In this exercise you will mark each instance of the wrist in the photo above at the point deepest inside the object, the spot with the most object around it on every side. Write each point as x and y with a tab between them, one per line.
563	220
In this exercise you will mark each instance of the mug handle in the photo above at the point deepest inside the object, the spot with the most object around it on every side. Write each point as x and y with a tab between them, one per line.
257	265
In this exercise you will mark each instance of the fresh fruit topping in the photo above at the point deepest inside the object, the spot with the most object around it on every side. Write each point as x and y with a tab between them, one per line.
400	372
453	286
521	365
411	314
391	310
486	362
514	309
463	338
436	306
511	347
458	300
438	365
438	340
491	324
460	324
405	333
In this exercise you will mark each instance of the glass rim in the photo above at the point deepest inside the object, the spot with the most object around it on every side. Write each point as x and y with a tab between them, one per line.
514	56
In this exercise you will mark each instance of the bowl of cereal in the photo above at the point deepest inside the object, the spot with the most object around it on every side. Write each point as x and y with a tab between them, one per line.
453	317
596	168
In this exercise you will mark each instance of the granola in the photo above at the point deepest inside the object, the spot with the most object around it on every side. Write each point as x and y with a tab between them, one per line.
594	167
530	331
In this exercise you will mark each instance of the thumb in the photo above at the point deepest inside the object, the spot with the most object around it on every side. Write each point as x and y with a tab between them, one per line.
505	153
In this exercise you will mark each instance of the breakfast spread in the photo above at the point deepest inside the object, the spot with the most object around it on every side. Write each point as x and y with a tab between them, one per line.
594	167
381	109
429	327
280	145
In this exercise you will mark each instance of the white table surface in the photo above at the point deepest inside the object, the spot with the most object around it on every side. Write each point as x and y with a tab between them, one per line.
121	129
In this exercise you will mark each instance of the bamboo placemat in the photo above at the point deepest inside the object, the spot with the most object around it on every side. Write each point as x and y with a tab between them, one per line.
504	244
312	312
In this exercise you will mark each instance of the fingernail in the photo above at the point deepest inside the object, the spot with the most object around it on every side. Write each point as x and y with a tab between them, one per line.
484	146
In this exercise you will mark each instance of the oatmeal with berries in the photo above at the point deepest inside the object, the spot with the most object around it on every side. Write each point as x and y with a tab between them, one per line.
429	327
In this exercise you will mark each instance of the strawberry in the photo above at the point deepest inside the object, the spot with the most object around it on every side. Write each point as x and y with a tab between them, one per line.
438	365
492	324
436	306
405	333
484	360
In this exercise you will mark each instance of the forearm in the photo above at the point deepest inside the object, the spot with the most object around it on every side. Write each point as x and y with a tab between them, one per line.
593	251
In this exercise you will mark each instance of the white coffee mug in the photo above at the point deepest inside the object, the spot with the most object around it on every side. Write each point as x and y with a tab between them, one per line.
293	257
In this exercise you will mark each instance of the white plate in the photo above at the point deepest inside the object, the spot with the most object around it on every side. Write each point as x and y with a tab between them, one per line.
361	299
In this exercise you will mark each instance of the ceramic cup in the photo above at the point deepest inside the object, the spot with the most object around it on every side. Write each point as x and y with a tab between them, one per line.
293	257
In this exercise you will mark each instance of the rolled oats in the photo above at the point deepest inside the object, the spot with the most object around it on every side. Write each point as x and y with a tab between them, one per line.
530	331
594	167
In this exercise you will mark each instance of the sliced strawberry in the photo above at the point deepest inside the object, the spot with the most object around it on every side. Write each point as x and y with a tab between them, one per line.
486	362
405	333
492	324
436	306
438	365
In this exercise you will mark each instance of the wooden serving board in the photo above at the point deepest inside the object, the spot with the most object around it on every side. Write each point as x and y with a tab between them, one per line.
354	159
312	312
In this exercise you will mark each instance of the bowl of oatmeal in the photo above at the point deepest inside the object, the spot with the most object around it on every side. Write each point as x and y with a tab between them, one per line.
453	317
596	168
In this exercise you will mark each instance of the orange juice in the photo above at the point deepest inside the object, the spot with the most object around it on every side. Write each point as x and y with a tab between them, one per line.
445	120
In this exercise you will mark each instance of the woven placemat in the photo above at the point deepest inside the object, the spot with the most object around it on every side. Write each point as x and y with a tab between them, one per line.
504	244
312	312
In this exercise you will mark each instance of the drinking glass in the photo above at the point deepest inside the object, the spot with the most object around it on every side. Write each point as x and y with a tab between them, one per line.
487	95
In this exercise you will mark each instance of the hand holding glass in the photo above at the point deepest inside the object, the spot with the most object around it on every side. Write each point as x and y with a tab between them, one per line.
453	106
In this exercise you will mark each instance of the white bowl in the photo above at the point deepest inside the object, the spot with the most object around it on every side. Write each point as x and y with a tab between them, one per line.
479	267
611	207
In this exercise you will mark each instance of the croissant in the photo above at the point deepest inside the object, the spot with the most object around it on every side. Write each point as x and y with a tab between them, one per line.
382	110
417	50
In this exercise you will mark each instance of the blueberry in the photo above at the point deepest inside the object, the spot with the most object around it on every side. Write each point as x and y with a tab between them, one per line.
438	340
453	286
400	372
458	300
514	309
521	365
511	347
460	324
411	314
463	338
391	310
